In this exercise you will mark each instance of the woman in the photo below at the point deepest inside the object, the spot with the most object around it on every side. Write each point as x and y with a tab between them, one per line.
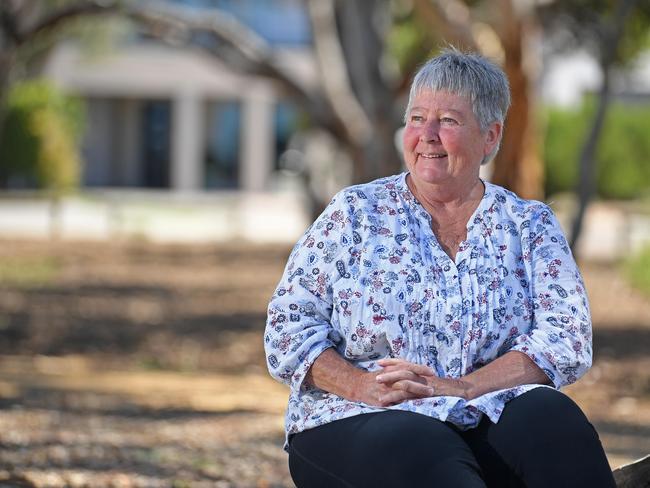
426	321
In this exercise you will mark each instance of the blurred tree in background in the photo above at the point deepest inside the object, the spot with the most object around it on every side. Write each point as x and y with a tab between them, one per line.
41	135
40	140
30	28
615	33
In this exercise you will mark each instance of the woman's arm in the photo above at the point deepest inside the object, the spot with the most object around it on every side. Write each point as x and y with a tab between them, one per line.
559	341
512	369
298	325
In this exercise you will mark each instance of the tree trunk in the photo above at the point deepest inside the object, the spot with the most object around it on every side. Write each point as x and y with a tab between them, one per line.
362	38
587	180
518	165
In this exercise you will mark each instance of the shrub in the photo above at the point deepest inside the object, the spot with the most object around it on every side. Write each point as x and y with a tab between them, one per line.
39	141
622	155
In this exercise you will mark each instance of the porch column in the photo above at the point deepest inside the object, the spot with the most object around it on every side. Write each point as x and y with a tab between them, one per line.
129	142
258	136
187	171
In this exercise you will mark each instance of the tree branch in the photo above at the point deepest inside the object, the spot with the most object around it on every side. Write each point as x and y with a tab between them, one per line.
55	19
450	18
8	23
334	72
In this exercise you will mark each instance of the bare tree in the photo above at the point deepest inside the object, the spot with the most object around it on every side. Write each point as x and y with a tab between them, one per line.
24	21
612	32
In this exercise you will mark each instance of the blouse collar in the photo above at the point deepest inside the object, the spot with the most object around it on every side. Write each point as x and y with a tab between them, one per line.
408	196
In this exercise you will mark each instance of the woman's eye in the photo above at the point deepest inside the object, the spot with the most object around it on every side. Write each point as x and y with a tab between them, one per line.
417	118
447	120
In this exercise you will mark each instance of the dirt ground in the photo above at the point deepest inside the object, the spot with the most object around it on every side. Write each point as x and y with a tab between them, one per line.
141	365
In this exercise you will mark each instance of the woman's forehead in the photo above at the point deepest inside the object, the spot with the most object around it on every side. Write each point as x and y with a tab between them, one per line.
441	99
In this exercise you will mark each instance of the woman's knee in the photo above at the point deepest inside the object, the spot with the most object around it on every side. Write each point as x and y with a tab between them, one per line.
548	441
545	412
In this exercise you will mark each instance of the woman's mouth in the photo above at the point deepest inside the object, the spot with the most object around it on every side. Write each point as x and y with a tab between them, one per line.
433	155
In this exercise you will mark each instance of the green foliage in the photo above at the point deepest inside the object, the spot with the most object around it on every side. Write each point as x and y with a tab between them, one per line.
411	40
564	132
623	152
587	20
636	37
406	43
637	270
40	137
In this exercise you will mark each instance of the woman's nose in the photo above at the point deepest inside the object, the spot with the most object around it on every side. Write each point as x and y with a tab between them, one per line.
430	132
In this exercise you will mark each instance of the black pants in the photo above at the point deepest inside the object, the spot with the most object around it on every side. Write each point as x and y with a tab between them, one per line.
541	440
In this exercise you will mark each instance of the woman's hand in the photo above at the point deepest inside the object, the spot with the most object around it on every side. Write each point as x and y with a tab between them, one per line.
408	380
397	381
369	390
330	372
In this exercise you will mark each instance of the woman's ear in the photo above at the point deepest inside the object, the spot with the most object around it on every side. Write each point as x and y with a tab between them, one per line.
492	136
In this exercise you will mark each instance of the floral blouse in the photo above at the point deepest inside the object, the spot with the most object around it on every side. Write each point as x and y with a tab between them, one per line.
369	279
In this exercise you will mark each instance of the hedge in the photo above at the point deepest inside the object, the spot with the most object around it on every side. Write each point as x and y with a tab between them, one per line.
39	143
623	151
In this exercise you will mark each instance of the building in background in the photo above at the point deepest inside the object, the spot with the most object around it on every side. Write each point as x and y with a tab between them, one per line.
178	118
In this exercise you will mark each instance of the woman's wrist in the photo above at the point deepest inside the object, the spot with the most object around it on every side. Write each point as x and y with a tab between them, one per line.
355	386
457	387
465	389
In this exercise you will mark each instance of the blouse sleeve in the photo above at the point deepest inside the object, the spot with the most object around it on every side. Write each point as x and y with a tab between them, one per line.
559	340
298	327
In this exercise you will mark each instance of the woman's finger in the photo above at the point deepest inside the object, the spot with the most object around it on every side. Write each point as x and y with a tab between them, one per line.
394	397
398	375
404	365
406	391
414	388
390	361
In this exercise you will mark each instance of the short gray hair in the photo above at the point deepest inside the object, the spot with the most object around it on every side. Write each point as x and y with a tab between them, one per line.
470	75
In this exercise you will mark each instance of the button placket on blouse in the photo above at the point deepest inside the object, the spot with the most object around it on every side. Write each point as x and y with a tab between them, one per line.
452	297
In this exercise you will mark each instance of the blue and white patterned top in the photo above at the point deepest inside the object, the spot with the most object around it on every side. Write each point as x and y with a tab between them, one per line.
370	279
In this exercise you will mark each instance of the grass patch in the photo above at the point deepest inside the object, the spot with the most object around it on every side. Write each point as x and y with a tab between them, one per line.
28	271
637	270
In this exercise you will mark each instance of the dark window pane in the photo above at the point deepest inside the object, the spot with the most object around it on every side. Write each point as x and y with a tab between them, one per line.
156	122
222	145
286	122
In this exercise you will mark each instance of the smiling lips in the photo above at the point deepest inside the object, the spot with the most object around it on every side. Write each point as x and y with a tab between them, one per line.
433	155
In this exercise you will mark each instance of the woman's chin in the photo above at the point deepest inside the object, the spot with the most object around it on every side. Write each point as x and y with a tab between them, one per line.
431	175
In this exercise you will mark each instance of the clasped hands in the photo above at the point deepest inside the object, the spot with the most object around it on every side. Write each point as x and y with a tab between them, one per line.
401	380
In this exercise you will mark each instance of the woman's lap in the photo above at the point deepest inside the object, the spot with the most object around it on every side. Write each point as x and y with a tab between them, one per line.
541	439
391	449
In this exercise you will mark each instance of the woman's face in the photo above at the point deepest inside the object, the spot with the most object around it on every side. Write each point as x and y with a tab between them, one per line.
443	141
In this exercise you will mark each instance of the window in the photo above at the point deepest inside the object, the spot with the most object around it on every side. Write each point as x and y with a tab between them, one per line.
156	130
222	145
286	122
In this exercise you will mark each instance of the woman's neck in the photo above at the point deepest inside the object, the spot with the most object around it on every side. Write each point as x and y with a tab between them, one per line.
445	199
449	210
